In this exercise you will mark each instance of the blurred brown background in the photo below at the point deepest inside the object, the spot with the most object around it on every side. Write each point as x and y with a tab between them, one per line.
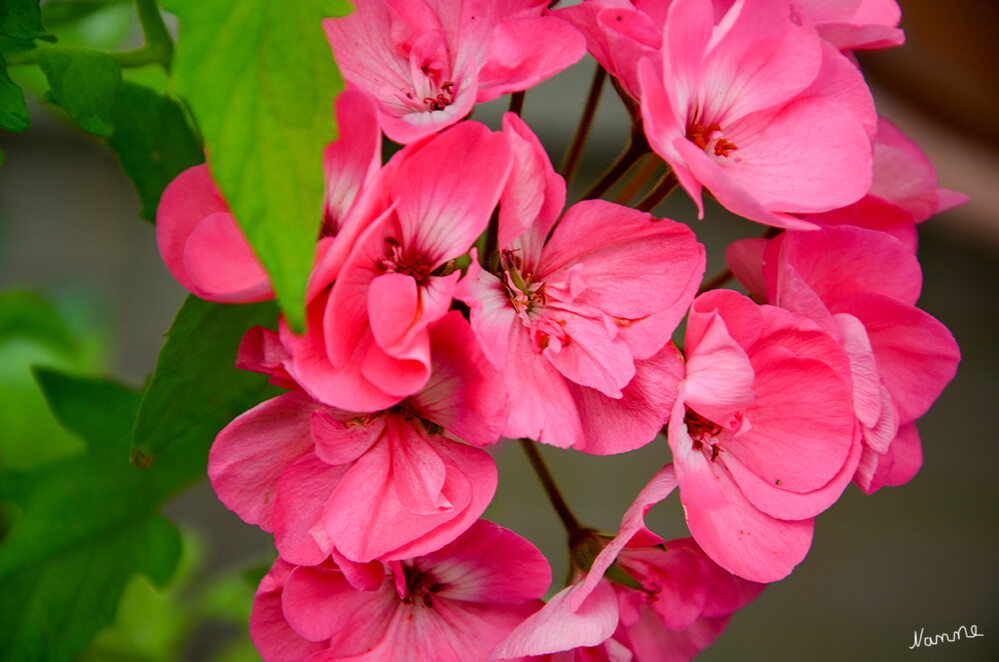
881	567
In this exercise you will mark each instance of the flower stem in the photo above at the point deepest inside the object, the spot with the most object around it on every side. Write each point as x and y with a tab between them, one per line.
659	192
571	159
517	102
638	179
570	522
637	147
717	281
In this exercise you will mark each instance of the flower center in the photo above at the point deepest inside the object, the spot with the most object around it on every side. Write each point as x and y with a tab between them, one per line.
702	432
420	584
396	261
703	137
444	98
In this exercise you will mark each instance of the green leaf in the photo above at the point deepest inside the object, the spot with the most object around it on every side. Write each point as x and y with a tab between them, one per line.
13	111
260	79
153	141
195	384
85	83
21	19
24	314
89	522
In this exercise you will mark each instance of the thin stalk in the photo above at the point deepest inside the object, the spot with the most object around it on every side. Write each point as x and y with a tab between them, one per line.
645	172
717	281
637	147
570	522
571	159
659	192
158	46
517	102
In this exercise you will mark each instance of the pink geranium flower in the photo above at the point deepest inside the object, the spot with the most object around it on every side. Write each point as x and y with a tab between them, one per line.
754	105
580	324
428	63
641	599
386	485
451	605
201	244
762	432
861	286
904	192
387	277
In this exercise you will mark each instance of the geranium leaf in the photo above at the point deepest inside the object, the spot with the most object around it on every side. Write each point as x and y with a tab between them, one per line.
195	383
260	80
153	140
87	523
13	111
85	83
21	19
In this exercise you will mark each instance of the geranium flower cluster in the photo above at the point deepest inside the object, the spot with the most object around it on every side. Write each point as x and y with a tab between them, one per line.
455	301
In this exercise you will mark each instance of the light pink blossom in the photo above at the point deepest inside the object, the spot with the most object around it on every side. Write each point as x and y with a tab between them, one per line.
580	324
387	485
428	62
451	605
753	105
638	598
762	432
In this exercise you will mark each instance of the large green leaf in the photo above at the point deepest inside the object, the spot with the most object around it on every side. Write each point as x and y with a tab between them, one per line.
261	80
153	141
24	314
21	19
89	521
85	83
195	384
13	111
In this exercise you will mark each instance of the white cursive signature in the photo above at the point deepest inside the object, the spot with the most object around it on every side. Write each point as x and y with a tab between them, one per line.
919	639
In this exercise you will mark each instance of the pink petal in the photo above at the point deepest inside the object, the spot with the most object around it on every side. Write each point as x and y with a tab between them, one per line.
464	395
719	376
250	454
612	425
558	627
354	157
747	542
916	354
304	486
490	565
525	51
270	632
446	191
221	264
491	313
342	441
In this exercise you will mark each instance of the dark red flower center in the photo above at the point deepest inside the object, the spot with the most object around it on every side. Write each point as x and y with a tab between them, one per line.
396	261
702	432
420	585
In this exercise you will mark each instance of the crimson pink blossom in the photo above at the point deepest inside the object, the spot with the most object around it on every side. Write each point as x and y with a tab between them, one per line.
762	432
428	62
641	599
366	345
861	286
452	605
386	485
580	323
201	244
